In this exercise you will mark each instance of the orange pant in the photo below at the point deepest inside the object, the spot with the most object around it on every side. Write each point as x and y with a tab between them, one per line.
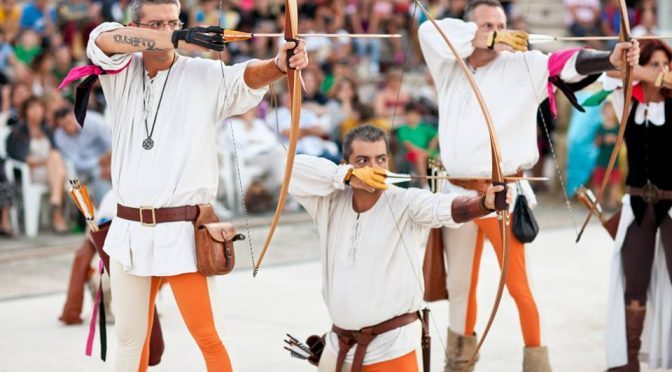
134	308
405	363
516	281
193	300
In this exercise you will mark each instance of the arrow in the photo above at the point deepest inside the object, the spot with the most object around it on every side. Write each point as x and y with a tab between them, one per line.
233	35
540	38
400	178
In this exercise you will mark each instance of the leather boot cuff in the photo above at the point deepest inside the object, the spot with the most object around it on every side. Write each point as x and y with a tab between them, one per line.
465	208
590	62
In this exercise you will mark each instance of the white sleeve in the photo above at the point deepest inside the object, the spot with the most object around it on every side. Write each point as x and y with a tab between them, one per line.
313	176
439	58
431	209
234	96
536	67
115	86
314	180
98	57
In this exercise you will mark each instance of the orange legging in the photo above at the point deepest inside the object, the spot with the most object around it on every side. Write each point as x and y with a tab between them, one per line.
193	300
516	281
405	363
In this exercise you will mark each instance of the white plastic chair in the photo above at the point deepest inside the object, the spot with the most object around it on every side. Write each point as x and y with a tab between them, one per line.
30	192
13	215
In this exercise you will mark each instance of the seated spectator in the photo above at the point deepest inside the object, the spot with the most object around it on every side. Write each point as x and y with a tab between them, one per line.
257	147
37	16
63	64
391	99
418	140
31	142
343	101
648	25
313	135
365	17
583	17
28	46
611	19
10	67
76	20
605	140
362	114
10	16
44	81
13	98
84	147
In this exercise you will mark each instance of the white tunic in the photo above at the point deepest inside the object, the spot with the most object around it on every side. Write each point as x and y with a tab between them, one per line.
513	85
370	261
181	168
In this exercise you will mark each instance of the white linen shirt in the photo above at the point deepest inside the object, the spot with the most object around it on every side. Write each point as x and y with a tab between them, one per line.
370	261
181	168
513	86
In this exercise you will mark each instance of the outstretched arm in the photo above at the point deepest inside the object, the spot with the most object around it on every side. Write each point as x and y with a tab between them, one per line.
262	73
134	39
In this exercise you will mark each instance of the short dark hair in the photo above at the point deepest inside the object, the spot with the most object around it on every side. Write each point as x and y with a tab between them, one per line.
476	3
365	132
135	7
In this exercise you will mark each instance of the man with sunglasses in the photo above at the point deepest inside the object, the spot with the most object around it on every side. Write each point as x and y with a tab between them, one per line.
163	108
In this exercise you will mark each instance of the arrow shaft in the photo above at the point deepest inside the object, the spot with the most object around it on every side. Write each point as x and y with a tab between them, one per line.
243	36
538	38
408	176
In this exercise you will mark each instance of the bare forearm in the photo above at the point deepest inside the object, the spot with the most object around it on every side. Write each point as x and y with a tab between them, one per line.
639	73
259	74
134	39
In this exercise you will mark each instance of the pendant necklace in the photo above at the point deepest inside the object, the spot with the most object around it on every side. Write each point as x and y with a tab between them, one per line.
148	142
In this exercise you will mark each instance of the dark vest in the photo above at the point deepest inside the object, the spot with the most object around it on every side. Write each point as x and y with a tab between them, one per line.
649	156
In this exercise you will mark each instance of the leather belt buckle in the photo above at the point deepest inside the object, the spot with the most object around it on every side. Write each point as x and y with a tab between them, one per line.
142	219
650	193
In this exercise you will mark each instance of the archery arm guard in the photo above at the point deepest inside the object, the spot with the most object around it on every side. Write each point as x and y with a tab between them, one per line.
207	37
590	62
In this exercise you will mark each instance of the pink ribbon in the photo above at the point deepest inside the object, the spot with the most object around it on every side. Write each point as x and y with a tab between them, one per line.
556	62
77	73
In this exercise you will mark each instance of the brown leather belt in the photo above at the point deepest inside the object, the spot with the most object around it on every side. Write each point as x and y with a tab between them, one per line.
151	216
650	193
362	338
478	185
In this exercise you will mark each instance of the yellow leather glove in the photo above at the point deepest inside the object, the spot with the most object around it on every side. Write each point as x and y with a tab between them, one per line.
374	177
515	39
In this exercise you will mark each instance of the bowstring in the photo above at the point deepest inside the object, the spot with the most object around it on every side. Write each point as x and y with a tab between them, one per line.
387	201
547	132
235	150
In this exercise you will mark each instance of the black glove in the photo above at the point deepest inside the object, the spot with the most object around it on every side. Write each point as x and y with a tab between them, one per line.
208	37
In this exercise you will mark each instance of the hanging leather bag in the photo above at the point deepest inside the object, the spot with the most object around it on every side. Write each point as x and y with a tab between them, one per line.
214	243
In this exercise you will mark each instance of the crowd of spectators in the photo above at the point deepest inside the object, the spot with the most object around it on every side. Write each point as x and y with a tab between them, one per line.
349	82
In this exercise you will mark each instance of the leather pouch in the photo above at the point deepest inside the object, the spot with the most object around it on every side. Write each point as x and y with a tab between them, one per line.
214	243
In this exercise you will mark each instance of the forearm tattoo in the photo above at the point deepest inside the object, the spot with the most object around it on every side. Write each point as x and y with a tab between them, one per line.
149	44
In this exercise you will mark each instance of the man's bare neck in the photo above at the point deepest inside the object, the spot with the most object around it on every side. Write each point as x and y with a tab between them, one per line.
481	57
158	61
363	201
